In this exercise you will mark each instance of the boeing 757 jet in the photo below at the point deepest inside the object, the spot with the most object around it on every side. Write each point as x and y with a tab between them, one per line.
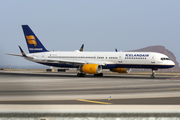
92	62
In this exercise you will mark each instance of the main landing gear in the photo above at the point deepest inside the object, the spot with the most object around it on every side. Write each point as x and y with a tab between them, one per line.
81	74
153	74
84	75
99	75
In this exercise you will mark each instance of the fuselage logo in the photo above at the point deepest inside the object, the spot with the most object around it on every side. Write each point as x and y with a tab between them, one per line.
31	40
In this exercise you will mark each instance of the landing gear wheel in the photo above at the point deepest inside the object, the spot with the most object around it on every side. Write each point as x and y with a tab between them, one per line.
78	74
81	74
153	74
100	74
84	74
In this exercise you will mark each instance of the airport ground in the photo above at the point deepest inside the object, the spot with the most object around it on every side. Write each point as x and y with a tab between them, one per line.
65	88
36	94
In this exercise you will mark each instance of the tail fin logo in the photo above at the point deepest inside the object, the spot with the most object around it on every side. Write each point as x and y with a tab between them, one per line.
31	40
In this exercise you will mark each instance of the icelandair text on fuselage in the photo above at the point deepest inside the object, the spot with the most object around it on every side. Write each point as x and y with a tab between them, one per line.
35	48
137	55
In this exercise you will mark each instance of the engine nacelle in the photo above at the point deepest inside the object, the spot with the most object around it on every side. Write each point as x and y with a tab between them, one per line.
121	70
91	68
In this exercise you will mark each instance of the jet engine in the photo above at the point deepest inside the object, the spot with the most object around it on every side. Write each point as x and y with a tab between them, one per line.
91	68
121	70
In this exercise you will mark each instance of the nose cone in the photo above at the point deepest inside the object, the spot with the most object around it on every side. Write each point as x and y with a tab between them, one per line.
173	63
170	63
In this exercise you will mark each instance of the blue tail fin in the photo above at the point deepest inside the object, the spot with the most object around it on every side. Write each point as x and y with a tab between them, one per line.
33	43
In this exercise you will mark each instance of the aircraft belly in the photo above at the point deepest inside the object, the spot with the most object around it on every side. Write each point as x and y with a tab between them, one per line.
110	66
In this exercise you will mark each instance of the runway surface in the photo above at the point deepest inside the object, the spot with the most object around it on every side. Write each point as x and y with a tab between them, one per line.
66	88
137	101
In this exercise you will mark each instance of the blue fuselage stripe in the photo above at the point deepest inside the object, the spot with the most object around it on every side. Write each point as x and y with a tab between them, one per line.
111	66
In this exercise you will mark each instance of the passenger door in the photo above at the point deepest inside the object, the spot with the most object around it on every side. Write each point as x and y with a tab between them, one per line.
120	59
153	59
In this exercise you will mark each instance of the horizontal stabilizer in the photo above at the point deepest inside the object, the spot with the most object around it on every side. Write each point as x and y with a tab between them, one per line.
14	54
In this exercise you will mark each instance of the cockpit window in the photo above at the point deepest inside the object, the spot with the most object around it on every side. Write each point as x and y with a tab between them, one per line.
165	59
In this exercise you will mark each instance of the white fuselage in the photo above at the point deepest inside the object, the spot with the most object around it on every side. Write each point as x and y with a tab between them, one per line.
108	60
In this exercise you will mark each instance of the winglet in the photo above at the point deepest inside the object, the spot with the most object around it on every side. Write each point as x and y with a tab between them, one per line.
115	49
23	54
81	49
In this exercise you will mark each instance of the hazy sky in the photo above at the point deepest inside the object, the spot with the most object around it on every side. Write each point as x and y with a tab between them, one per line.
102	25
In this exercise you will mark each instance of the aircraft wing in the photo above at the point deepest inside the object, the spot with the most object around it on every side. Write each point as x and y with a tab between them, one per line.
73	62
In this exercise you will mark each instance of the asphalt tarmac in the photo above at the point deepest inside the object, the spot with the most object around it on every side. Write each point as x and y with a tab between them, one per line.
137	101
65	88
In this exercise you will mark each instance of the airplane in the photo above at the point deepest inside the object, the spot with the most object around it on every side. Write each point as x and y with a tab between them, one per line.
92	62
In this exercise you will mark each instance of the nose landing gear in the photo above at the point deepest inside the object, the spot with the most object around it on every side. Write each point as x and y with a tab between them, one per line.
153	74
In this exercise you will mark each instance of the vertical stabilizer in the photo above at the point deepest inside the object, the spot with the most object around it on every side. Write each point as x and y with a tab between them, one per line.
33	43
